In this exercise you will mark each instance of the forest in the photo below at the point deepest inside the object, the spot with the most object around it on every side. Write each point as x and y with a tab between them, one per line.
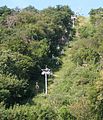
30	39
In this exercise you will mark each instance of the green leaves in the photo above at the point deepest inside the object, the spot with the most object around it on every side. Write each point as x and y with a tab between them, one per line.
12	90
5	11
96	16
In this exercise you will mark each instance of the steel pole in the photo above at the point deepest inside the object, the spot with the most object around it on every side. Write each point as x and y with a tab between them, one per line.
46	91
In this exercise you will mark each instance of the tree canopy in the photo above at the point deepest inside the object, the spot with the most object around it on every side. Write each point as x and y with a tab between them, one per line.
30	39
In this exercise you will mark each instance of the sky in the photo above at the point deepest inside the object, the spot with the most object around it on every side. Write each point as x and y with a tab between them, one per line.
81	6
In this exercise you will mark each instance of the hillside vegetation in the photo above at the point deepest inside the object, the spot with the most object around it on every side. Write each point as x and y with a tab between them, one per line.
31	39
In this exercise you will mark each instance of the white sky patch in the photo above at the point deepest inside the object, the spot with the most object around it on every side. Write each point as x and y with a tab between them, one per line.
86	5
15	3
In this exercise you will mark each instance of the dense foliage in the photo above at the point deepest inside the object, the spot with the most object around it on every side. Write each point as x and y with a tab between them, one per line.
31	39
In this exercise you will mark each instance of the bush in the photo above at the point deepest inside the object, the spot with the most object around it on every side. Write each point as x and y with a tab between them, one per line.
13	90
65	114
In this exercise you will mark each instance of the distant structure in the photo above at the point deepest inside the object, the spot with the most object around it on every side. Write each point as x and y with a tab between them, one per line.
73	18
37	87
